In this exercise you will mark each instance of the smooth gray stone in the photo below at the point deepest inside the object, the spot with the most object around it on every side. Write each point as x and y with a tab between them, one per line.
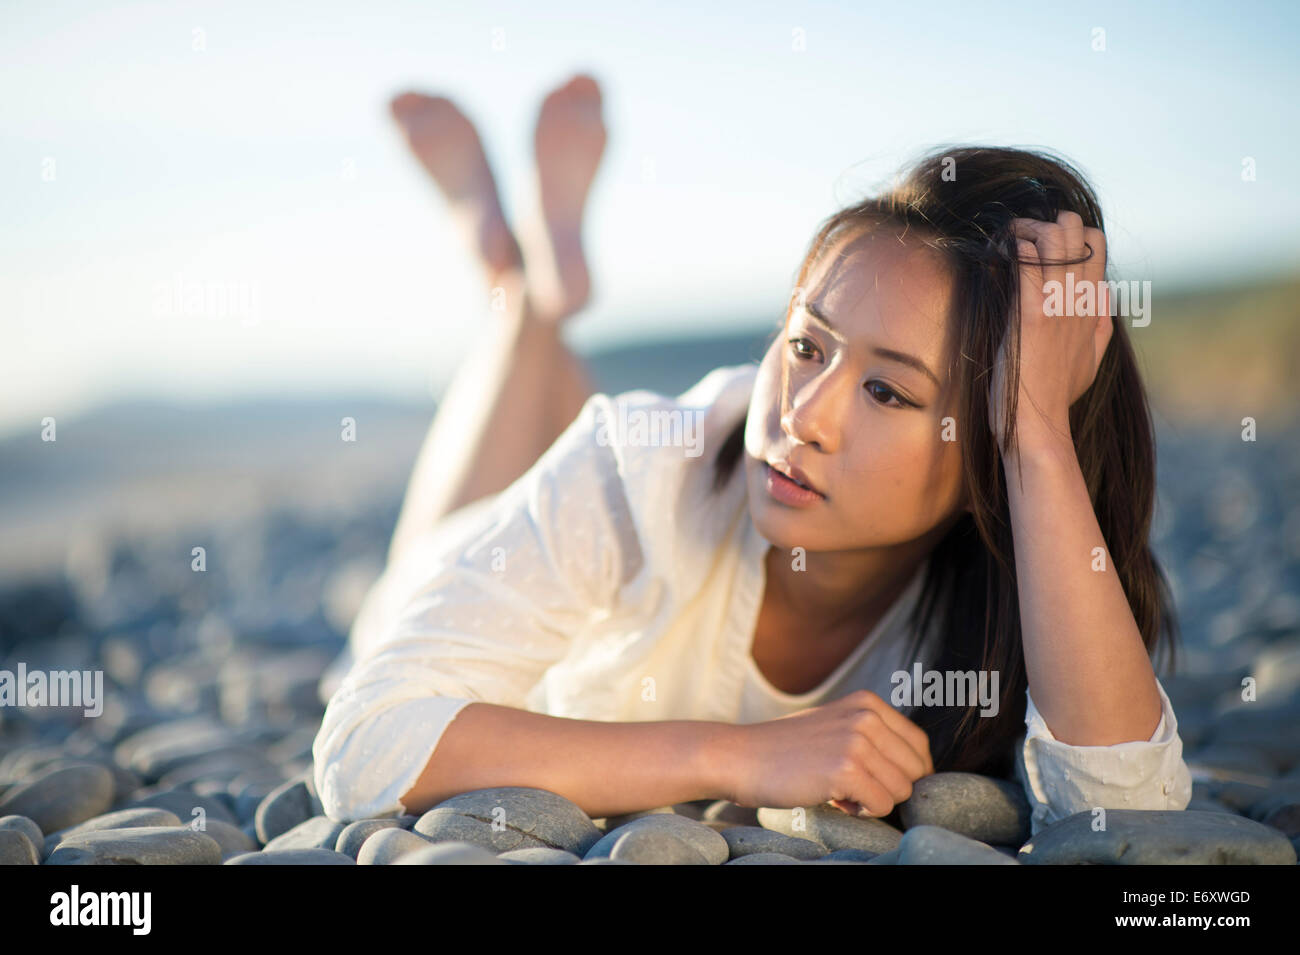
613	822
692	810
711	846
121	819
292	857
511	817
751	840
125	782
606	861
646	847
1280	795
159	749
724	811
354	834
386	846
1202	804
17	849
183	802
763	858
288	805
232	839
219	767
832	828
25	826
450	853
1235	757
981	807
537	856
1285	818
1237	796
885	858
60	798
1159	837
319	832
153	845
931	845
847	855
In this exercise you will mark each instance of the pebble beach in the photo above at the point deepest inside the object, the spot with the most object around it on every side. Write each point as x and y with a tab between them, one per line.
212	697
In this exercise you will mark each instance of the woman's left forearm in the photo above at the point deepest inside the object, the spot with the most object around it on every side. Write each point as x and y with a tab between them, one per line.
1088	670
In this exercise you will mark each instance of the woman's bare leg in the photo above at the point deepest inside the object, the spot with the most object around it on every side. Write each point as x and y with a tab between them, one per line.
523	386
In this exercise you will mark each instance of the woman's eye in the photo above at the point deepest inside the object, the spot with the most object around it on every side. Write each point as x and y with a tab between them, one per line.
883	394
800	341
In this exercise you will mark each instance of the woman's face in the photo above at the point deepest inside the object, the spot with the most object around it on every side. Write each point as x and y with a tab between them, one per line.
863	418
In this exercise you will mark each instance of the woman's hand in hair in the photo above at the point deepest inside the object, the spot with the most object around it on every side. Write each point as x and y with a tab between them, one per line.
857	752
1064	325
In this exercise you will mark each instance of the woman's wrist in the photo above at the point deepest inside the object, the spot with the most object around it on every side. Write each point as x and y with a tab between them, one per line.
1040	445
718	758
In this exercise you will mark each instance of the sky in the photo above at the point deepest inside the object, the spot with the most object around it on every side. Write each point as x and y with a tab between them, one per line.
203	201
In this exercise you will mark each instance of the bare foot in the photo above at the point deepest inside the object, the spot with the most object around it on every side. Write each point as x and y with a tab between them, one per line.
569	142
446	144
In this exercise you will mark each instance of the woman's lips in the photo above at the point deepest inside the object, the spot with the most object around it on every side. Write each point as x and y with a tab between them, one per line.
787	491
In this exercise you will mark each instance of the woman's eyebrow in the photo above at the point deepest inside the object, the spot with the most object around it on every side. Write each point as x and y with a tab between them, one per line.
903	358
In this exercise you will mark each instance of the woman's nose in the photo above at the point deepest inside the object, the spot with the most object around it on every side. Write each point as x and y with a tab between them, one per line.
816	414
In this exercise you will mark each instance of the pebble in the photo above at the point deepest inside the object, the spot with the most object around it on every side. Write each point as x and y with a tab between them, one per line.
183	802
932	845
644	846
981	807
885	858
288	805
121	819
232	839
538	856
723	811
764	858
319	832
355	834
451	853
60	798
1285	818
153	845
17	849
832	828
292	857
613	822
25	826
709	845
751	840
1159	837
386	846
512	817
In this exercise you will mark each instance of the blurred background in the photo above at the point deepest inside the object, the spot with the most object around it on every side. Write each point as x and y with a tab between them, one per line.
245	150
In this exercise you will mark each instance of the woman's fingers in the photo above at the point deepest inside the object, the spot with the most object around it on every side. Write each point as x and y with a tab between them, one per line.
906	731
1049	239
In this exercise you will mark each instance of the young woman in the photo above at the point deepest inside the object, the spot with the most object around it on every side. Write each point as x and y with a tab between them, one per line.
929	470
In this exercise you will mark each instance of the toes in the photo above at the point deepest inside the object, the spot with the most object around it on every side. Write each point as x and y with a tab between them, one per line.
584	86
404	104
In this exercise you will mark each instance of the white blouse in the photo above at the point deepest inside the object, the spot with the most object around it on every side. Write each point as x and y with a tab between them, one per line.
610	583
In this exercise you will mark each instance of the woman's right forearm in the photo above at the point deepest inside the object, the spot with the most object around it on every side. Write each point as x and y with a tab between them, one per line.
606	768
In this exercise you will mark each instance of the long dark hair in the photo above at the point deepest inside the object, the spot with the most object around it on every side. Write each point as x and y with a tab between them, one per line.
961	201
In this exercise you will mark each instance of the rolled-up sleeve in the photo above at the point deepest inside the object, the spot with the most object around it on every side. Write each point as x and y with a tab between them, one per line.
500	602
1061	780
